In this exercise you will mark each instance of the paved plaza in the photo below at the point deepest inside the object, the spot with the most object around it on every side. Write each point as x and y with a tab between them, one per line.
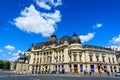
14	76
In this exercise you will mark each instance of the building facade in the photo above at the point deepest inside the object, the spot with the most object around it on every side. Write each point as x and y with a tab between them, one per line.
68	55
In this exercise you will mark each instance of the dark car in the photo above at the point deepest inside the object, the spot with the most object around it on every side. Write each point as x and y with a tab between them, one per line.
117	74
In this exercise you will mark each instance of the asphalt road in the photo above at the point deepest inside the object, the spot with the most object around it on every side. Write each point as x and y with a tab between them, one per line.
13	76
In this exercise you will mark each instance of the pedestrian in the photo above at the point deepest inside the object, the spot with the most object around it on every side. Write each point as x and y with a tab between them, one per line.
84	72
112	72
90	73
108	73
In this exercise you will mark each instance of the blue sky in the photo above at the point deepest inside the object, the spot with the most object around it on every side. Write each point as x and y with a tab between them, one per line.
23	22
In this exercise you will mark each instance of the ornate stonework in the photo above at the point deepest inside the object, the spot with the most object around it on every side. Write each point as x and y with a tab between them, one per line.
68	55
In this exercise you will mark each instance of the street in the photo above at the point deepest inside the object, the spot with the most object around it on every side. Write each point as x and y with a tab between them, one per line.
13	76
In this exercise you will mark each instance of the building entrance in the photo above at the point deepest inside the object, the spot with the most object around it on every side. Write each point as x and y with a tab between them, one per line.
75	68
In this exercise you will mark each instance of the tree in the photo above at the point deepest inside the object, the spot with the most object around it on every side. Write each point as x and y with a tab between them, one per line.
4	64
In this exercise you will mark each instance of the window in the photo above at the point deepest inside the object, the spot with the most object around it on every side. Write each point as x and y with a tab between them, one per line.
75	57
109	60
97	58
62	50
113	60
63	57
37	60
70	57
59	58
91	58
50	53
103	58
80	57
34	60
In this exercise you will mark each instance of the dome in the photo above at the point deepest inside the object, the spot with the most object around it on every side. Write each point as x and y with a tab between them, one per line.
75	39
51	40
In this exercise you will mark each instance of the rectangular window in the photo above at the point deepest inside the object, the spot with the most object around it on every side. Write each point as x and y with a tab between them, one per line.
113	60
97	58
75	57
81	68
80	57
70	58
59	58
109	60
63	57
103	58
91	58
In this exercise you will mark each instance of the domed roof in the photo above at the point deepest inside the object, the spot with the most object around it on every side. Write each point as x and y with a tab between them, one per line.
75	39
51	40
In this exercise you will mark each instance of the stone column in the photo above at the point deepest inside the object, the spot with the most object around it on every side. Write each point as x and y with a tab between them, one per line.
39	57
58	55
61	56
78	68
36	58
78	57
72	57
42	60
53	55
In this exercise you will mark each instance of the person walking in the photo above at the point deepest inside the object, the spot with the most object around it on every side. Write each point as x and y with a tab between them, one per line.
90	73
112	72
108	73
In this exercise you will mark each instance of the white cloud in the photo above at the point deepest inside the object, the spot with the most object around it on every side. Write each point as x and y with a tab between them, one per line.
99	25
10	47
56	3
9	52
4	55
47	4
85	38
115	40
37	22
43	5
15	56
1	50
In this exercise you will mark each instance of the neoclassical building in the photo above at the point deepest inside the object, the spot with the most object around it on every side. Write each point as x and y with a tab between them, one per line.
68	55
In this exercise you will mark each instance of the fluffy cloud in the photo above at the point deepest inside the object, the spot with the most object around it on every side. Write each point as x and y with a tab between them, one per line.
99	25
47	4
32	20
43	5
85	38
56	3
10	47
9	52
1	50
115	40
15	56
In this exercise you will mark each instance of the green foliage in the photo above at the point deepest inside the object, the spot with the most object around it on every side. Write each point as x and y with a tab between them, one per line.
4	64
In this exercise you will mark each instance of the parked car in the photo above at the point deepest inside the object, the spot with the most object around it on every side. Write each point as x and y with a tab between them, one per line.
117	74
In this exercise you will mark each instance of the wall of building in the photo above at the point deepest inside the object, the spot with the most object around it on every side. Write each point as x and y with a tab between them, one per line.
69	58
